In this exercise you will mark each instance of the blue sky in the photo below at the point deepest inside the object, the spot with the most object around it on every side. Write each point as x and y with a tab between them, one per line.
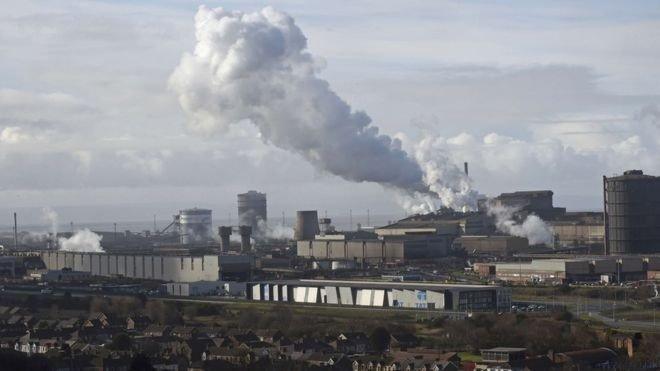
535	95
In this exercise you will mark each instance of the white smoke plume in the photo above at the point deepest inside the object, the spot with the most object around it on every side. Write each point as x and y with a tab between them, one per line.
276	231
532	227
83	240
50	216
255	68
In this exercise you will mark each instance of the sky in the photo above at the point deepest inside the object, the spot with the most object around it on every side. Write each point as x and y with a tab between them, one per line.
549	95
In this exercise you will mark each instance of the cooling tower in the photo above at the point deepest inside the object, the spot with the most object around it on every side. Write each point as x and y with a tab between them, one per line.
307	225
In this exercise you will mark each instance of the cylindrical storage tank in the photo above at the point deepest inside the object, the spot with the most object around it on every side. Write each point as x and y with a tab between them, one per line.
632	213
343	264
252	209
307	225
195	225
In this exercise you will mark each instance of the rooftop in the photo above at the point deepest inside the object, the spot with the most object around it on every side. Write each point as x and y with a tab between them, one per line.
379	284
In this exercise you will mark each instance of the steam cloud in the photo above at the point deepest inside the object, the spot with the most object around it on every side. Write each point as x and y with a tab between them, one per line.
254	67
276	231
83	240
50	216
532	227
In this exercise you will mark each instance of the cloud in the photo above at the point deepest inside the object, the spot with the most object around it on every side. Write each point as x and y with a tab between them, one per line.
255	68
14	135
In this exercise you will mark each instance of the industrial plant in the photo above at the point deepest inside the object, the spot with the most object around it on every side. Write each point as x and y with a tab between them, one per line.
617	244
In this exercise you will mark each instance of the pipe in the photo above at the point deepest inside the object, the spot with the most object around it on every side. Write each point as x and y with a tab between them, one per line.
15	232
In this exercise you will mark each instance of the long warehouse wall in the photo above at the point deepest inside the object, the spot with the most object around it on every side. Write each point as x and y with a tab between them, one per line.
157	267
451	298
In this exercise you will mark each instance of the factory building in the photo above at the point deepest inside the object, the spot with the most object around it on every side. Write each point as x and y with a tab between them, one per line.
499	246
373	251
632	213
252	209
579	229
444	223
530	202
587	269
417	237
428	296
157	267
195	226
204	288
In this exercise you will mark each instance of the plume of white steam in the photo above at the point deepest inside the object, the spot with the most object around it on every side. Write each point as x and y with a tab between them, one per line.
532	227
277	231
83	240
443	177
255	68
50	216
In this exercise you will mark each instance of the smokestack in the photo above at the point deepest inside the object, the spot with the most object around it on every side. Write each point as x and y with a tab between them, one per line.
465	168
15	232
224	232
245	231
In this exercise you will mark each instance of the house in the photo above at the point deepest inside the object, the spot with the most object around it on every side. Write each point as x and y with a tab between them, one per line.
334	360
403	341
285	346
235	356
99	320
351	343
157	330
137	322
304	347
269	336
593	358
69	323
184	332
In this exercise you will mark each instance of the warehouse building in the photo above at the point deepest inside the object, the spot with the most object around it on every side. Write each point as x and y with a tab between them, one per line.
177	268
205	288
530	202
579	229
586	269
373	251
499	246
417	295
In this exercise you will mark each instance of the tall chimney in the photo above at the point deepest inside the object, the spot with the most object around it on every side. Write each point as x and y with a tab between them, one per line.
465	168
15	232
245	231
224	232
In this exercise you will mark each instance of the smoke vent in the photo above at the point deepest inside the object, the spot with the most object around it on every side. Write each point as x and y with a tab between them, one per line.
307	225
245	232
224	232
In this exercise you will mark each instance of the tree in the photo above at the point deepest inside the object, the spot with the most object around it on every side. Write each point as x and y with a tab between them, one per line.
380	339
141	363
121	341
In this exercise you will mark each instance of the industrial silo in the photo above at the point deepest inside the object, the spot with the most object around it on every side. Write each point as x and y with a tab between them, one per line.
195	225
632	213
307	225
252	209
